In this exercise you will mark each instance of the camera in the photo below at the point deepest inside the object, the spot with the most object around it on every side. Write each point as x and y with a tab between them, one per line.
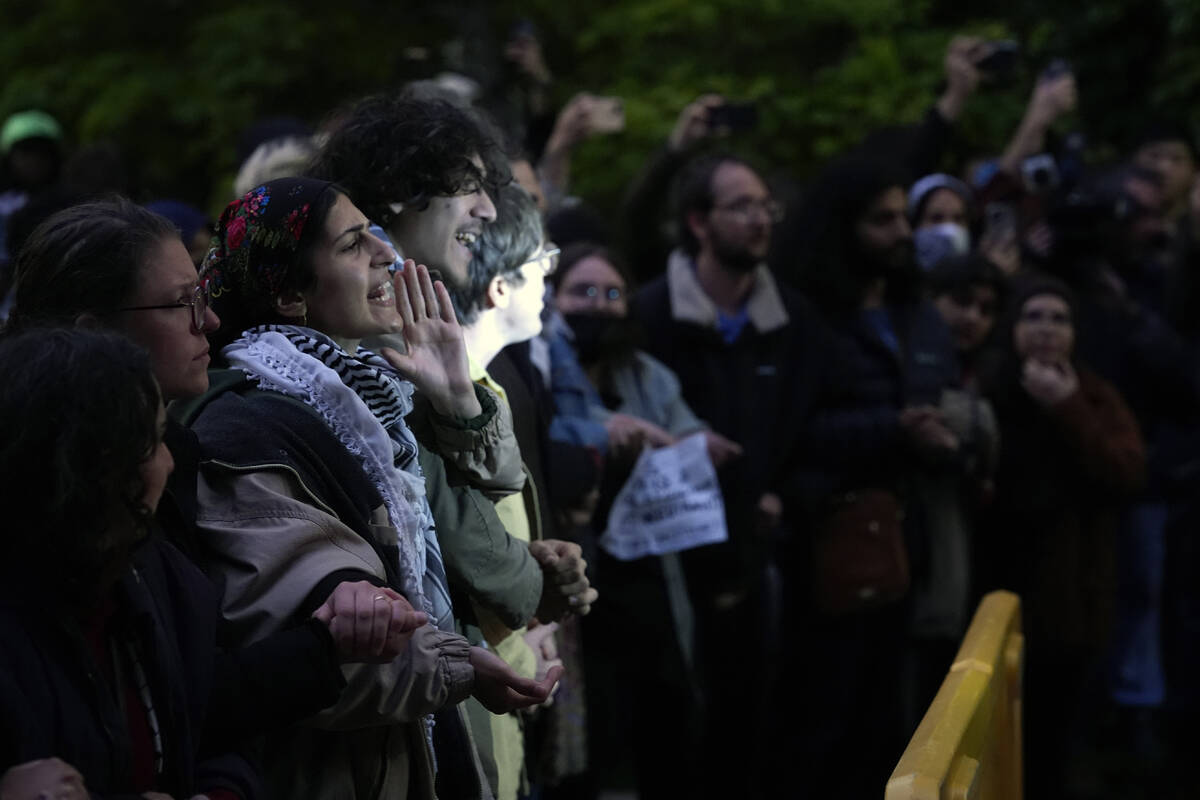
1040	174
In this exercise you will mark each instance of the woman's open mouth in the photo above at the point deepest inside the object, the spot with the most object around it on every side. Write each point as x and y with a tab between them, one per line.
383	294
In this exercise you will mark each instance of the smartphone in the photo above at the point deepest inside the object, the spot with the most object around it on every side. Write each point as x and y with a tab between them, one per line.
734	116
999	60
607	115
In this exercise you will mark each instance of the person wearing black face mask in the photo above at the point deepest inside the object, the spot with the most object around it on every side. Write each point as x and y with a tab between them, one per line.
591	292
649	610
602	337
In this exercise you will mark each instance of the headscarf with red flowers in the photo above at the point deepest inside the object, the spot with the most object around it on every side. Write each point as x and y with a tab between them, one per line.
256	243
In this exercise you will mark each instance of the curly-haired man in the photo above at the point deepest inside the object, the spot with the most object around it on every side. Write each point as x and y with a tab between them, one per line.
423	170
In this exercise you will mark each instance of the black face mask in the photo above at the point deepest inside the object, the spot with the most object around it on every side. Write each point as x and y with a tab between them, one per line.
603	337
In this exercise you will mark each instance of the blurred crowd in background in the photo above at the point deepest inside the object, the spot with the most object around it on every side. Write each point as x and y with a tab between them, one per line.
919	378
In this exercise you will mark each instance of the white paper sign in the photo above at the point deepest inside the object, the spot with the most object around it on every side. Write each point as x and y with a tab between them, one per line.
671	502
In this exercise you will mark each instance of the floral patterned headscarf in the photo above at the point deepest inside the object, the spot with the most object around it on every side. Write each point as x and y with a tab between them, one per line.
256	242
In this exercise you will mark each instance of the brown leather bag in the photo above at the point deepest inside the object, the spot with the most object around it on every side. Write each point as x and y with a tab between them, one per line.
860	559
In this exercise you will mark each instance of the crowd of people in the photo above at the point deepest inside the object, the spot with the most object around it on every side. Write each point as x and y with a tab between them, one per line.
331	484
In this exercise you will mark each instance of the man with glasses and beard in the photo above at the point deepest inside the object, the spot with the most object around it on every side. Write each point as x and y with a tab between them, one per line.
750	360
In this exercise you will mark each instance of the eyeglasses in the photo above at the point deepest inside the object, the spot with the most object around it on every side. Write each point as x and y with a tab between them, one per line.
198	304
591	291
548	259
745	208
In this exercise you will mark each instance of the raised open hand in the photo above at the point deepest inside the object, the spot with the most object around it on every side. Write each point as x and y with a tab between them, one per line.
436	361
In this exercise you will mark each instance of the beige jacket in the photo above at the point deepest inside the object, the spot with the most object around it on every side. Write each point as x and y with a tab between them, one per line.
270	543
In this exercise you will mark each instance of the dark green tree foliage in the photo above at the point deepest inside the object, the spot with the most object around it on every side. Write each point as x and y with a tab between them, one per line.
174	83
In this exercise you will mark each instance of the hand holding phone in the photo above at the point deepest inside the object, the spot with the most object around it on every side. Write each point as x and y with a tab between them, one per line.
606	115
584	115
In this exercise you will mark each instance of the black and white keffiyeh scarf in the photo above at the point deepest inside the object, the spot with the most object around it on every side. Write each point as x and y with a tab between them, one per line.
364	402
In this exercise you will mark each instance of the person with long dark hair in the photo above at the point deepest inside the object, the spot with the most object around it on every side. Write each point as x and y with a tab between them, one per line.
111	670
880	432
114	265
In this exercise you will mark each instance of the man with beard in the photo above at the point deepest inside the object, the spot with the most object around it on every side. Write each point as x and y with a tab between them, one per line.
750	358
871	437
499	302
426	171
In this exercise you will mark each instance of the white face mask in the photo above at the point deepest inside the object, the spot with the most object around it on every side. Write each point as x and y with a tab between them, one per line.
935	242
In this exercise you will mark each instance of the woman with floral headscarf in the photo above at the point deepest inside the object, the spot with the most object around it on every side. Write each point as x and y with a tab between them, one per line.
310	475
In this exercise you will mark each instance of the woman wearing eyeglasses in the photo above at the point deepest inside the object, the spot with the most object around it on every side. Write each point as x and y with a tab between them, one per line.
117	266
647	608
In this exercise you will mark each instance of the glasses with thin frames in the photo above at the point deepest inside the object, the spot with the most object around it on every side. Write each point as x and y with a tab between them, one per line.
198	304
744	209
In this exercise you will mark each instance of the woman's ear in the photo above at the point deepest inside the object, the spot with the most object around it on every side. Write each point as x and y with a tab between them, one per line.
291	305
499	292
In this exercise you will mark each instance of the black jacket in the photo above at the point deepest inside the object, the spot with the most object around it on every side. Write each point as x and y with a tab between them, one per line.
55	702
855	439
760	390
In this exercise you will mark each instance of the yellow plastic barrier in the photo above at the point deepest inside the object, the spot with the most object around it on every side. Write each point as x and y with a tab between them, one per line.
968	746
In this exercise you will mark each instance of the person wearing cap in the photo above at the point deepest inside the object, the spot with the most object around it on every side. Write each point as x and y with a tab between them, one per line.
30	159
